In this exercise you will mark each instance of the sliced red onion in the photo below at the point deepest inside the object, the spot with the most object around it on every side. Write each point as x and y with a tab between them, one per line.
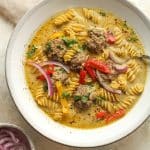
11	134
8	145
116	59
106	86
4	140
57	64
121	68
42	71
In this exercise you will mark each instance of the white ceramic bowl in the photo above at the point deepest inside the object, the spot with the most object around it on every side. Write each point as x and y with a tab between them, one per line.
23	99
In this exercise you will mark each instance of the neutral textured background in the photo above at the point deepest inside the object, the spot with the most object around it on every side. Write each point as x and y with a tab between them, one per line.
12	10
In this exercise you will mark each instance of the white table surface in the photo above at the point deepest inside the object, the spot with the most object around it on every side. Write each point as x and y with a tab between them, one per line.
139	140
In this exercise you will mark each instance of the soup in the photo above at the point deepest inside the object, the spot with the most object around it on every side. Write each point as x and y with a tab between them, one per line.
83	68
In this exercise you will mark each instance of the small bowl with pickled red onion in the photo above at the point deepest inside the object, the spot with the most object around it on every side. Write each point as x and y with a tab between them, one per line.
13	138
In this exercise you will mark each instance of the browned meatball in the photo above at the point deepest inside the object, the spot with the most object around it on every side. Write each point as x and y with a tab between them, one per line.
56	50
97	41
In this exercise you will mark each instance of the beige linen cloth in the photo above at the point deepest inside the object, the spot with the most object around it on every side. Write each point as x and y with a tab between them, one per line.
14	9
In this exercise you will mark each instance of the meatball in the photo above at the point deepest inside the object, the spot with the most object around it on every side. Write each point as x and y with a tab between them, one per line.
83	106
56	50
97	41
77	61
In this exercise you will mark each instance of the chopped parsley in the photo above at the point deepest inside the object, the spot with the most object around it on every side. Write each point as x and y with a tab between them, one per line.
132	39
84	99
60	47
48	46
45	87
65	95
102	13
31	51
77	97
62	70
69	42
125	24
84	46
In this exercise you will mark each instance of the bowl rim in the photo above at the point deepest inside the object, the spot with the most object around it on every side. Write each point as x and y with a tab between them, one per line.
19	25
10	125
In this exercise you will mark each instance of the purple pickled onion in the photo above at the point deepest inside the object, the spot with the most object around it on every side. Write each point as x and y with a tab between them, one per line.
42	71
8	145
8	141
116	59
4	140
106	86
57	64
11	134
121	68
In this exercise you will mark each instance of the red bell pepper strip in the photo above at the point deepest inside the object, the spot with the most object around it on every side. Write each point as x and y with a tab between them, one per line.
118	114
91	72
82	76
41	77
99	65
110	38
101	114
48	72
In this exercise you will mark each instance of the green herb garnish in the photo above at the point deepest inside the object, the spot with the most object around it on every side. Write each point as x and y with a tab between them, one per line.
31	51
62	70
77	98
84	99
132	39
102	14
69	42
65	95
48	46
45	88
84	46
125	24
60	47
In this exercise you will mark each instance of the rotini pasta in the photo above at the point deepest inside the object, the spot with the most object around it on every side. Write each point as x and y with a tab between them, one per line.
66	17
107	95
125	103
107	106
82	68
136	89
92	15
73	84
70	53
133	70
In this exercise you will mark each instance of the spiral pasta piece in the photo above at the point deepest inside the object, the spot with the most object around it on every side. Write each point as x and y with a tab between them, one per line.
39	93
131	50
73	84
107	95
70	53
120	82
39	55
125	103
55	111
76	30
133	70
78	18
120	39
107	22
66	17
55	97
136	89
104	55
56	35
108	106
121	52
92	15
